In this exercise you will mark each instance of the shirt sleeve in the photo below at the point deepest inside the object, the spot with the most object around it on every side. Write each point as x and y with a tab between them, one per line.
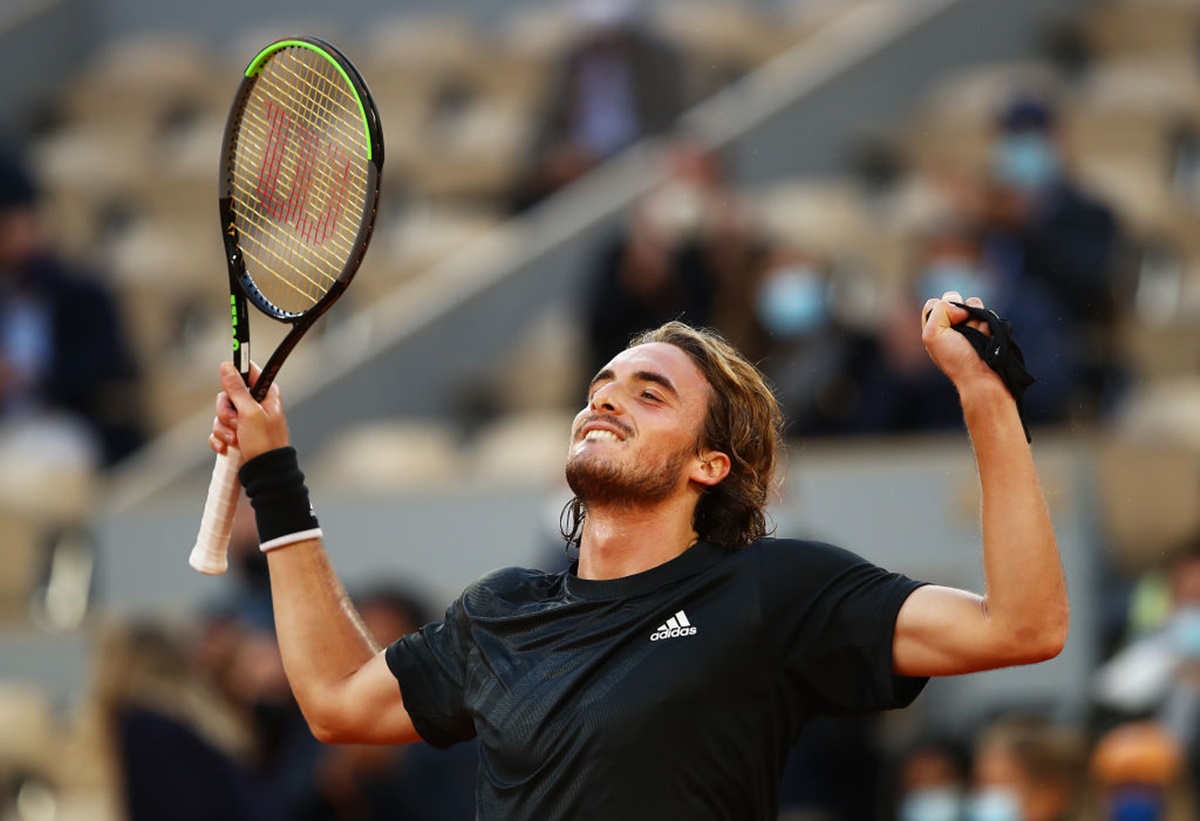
431	666
831	616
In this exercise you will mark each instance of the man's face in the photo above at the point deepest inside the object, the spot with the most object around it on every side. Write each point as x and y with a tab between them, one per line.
1185	583
636	441
19	238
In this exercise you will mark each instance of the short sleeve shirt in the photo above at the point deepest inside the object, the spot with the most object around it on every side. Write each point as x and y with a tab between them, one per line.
673	693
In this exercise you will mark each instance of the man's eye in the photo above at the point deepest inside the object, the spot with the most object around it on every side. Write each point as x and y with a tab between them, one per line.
650	395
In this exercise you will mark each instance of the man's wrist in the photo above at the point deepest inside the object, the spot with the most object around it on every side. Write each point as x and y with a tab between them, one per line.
986	399
275	486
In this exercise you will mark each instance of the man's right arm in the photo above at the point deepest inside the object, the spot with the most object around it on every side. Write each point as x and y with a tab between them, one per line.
337	673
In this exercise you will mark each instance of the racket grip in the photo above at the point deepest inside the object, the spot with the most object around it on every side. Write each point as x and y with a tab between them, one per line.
212	543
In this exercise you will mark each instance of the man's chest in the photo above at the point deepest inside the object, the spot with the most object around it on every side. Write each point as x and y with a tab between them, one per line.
599	676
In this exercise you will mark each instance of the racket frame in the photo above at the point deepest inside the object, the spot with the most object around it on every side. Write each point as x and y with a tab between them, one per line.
209	554
241	283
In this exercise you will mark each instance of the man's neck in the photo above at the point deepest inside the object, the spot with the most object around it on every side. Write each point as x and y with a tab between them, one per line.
621	541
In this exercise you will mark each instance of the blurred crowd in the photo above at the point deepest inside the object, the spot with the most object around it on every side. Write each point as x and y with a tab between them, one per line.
199	719
1037	247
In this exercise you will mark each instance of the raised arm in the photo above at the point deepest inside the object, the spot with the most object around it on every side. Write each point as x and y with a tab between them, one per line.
337	673
1022	617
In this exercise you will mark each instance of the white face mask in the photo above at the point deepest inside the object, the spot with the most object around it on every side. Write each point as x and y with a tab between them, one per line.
941	804
1184	630
793	301
994	804
1026	160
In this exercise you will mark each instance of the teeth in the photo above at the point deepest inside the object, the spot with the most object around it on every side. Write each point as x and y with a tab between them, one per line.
601	434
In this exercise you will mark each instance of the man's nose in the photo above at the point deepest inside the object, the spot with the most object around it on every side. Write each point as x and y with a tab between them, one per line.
606	398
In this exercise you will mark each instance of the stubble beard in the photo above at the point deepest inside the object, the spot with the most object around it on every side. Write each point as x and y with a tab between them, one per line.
599	482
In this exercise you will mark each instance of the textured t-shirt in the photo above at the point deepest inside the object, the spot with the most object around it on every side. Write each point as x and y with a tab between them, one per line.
670	694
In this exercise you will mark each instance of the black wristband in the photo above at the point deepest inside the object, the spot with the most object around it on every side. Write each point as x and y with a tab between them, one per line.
274	485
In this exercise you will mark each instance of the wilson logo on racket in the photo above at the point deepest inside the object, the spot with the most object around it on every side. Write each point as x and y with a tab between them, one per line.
330	166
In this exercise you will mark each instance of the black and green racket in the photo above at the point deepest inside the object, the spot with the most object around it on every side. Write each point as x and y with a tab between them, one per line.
299	184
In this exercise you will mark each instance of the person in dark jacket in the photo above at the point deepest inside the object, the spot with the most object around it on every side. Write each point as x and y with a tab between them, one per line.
63	349
616	83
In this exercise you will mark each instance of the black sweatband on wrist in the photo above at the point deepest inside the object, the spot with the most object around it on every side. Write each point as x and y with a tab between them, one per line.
274	484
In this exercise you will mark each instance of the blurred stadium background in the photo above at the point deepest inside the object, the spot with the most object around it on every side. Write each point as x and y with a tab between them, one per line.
431	407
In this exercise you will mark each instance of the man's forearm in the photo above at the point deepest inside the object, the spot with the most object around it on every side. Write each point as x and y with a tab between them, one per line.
1025	590
321	637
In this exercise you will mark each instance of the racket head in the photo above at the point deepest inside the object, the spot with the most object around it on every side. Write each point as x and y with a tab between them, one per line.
299	178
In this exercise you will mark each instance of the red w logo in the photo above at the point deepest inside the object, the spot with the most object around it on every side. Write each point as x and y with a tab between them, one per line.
333	170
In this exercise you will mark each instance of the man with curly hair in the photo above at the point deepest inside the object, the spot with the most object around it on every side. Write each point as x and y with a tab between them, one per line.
669	671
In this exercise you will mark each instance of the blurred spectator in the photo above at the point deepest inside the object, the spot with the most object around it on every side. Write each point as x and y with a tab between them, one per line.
1137	775
906	392
1025	770
63	349
415	782
814	360
616	83
66	371
833	771
642	278
1158	674
931	782
1041	227
182	752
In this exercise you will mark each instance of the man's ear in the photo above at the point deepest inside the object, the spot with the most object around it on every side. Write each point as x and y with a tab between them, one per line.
710	468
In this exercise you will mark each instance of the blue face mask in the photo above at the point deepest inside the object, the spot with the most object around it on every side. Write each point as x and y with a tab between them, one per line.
793	302
1184	632
1026	160
932	805
953	275
1137	804
994	805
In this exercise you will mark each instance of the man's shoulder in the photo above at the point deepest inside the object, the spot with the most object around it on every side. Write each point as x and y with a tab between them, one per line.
804	562
774	549
514	585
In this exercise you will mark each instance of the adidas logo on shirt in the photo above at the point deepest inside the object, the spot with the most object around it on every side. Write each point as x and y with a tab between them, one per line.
674	627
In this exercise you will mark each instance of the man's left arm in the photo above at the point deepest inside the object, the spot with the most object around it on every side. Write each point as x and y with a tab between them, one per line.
1022	617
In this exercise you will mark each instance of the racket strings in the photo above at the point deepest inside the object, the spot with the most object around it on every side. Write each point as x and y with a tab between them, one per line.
299	181
305	109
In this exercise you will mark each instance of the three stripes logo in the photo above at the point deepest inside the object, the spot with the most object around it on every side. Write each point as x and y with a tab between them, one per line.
674	627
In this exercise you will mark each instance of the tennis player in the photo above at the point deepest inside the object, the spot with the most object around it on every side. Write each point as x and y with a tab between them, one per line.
667	674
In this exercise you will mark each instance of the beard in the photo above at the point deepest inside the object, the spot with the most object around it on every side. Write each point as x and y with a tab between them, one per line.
599	482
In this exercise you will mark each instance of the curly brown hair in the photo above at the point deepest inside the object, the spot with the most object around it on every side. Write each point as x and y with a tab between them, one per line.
744	422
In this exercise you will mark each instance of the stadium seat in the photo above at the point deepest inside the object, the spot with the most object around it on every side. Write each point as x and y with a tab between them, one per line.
386	456
523	448
1154	28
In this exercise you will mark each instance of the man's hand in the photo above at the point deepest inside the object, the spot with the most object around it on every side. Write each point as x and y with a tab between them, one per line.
254	428
949	349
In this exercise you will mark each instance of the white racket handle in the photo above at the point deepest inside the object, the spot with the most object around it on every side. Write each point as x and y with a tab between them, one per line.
212	543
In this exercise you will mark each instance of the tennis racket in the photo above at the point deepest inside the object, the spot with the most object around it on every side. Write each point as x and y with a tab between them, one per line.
299	183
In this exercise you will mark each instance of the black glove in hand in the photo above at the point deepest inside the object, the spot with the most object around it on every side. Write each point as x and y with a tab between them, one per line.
1001	353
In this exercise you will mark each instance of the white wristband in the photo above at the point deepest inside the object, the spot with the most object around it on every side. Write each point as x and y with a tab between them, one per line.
291	538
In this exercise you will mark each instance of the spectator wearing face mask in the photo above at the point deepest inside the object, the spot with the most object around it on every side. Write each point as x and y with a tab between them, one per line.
1137	775
931	781
811	356
1042	227
1158	675
1025	770
902	390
